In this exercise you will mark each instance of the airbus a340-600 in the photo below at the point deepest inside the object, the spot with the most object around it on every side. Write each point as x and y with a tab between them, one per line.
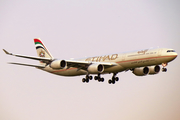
141	63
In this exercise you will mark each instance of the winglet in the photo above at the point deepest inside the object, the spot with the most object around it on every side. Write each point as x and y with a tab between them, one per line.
7	52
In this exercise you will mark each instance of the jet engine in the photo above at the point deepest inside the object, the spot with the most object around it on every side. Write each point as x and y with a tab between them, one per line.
154	69
58	64
142	71
95	69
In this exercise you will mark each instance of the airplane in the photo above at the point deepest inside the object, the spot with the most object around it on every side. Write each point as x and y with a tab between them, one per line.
141	63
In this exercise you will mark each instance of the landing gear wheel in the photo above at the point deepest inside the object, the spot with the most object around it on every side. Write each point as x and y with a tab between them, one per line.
109	81
95	77
99	78
116	79
83	80
102	79
113	81
90	77
87	80
164	69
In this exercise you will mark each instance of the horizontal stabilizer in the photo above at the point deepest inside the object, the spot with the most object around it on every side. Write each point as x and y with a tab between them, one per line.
38	66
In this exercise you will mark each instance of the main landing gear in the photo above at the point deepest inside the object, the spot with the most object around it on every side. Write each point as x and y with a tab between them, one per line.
86	79
164	65
114	79
99	78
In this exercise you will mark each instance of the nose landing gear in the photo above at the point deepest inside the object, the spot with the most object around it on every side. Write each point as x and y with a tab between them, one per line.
164	65
164	69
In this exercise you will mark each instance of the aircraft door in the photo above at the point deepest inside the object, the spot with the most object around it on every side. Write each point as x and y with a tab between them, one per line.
124	57
159	52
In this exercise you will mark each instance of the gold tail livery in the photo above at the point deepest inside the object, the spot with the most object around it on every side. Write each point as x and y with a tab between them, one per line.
141	63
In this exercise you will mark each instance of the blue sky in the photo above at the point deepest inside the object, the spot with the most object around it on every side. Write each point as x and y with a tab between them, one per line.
75	29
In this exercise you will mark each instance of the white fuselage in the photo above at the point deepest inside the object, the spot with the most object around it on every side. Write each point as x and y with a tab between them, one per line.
125	61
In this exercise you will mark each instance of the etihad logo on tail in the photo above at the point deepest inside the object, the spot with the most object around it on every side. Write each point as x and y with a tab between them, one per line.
39	44
42	54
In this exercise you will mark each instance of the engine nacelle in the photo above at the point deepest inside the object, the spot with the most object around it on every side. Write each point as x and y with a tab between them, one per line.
154	69
142	71
58	64
95	69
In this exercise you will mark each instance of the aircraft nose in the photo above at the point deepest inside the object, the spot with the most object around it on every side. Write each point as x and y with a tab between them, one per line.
175	54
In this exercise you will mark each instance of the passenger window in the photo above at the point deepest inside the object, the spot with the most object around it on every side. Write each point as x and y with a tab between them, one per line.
171	51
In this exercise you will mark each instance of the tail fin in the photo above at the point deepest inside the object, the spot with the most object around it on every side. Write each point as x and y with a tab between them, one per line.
41	49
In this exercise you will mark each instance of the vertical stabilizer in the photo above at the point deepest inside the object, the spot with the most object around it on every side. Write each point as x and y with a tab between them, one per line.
41	49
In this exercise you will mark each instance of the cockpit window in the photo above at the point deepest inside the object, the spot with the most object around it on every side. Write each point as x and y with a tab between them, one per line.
171	51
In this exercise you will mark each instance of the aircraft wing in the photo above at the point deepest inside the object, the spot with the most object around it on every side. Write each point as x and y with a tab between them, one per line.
45	60
70	63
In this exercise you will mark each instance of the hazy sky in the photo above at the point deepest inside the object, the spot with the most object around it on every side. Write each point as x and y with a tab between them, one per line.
79	28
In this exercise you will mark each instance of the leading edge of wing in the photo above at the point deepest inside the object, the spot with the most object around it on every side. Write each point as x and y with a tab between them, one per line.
29	57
